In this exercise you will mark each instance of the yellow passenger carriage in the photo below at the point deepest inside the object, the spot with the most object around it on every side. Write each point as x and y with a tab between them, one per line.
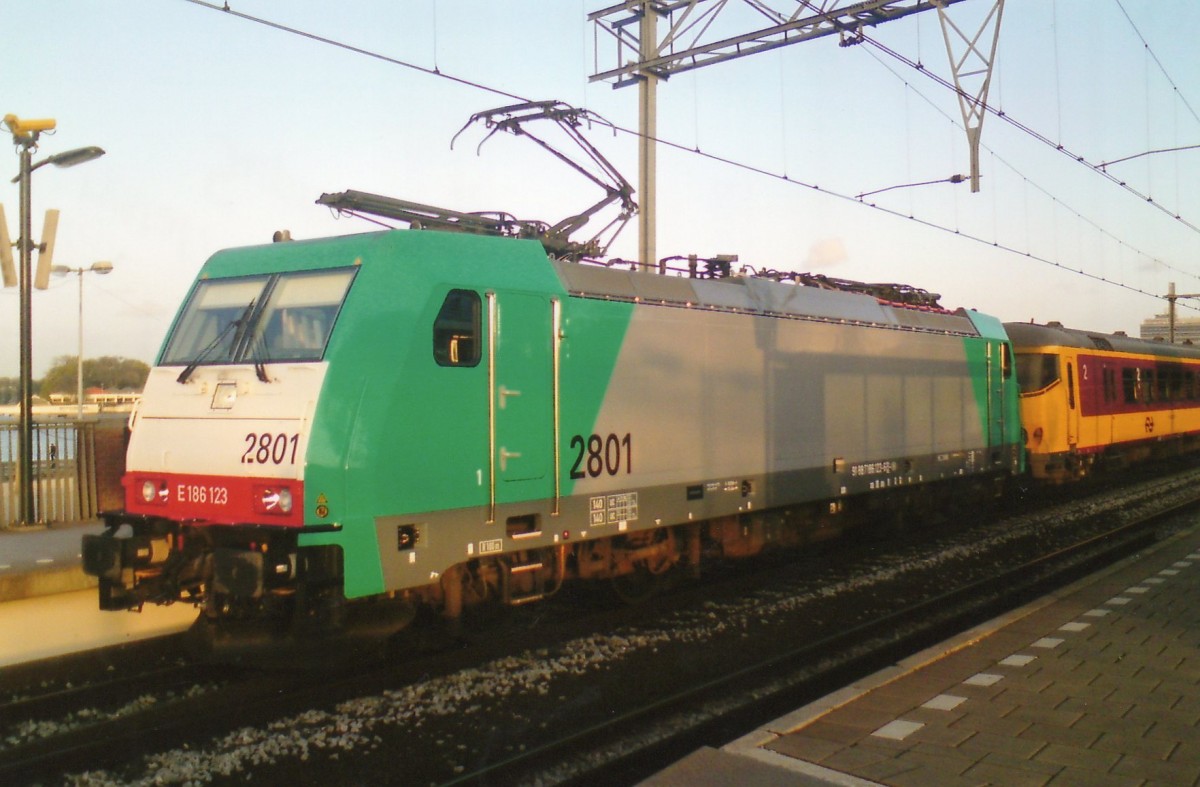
1088	398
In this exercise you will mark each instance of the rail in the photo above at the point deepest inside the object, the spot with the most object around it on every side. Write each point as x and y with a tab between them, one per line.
282	710
633	742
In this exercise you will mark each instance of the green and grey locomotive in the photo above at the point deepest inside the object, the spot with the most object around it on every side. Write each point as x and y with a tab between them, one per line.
446	416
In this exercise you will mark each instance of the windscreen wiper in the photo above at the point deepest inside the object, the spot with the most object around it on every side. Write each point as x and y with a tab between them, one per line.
260	356
240	324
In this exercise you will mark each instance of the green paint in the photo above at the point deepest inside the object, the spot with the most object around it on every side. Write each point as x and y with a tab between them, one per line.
393	431
1001	401
593	334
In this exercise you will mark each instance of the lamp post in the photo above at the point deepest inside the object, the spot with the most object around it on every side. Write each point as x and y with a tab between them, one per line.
25	135
96	267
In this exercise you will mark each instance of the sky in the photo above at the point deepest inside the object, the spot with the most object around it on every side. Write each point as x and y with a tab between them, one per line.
219	131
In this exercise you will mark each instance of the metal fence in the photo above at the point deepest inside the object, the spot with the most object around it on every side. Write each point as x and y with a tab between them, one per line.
65	485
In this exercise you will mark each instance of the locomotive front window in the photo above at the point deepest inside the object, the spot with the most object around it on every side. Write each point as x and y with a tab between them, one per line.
258	319
296	321
214	320
1036	371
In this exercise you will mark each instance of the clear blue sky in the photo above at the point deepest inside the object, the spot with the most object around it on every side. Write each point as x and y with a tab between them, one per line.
220	131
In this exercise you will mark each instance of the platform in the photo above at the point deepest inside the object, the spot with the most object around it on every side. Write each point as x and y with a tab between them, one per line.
49	607
1098	684
44	561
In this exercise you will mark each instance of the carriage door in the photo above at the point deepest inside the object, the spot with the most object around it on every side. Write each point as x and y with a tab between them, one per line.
521	342
1072	401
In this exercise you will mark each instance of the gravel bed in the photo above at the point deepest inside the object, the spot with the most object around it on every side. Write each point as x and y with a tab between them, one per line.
430	731
26	732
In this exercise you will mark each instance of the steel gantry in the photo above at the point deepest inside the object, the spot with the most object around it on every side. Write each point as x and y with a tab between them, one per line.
698	34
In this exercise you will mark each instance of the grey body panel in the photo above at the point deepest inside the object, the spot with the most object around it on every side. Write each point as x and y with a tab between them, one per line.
740	395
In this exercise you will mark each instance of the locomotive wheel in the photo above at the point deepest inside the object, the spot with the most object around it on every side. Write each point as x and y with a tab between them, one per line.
212	641
638	586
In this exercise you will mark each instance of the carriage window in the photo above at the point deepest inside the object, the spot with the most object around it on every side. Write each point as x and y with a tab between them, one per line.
1131	383
1110	385
456	330
1166	383
1036	371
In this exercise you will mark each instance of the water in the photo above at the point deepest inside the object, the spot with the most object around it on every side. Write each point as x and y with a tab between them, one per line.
51	441
63	480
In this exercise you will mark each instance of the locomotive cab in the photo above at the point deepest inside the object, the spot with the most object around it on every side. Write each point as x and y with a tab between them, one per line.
1047	401
215	483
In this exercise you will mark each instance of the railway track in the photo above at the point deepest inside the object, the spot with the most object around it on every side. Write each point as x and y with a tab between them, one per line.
80	728
565	693
29	717
632	747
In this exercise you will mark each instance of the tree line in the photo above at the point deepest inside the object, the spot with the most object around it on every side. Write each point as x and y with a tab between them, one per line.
108	372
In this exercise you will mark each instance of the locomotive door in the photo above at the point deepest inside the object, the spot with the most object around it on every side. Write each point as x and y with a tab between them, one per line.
521	363
999	369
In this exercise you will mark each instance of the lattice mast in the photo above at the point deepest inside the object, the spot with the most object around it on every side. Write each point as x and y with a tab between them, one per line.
972	69
691	40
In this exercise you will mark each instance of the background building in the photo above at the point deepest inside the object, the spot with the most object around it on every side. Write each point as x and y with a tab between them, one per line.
1186	329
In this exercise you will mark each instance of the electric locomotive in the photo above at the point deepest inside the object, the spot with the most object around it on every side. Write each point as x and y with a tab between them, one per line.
1089	398
449	416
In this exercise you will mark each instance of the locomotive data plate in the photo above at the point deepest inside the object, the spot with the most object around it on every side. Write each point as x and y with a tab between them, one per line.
614	509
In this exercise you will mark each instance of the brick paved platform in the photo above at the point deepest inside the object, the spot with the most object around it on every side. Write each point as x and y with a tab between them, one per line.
1096	685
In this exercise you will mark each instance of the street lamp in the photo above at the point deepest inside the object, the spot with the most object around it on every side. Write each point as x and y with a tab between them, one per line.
25	135
62	270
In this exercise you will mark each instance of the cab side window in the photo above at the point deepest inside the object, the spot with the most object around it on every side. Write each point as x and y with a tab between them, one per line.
456	339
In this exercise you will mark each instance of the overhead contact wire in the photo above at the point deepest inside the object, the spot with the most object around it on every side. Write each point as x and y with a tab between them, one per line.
995	244
1011	167
713	157
225	9
1161	67
1004	116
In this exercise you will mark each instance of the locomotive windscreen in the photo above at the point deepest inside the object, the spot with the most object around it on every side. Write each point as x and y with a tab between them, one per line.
259	319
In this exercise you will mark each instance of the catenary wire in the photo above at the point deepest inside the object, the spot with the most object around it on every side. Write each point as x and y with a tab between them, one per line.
1046	192
1004	116
995	244
434	72
225	9
1161	67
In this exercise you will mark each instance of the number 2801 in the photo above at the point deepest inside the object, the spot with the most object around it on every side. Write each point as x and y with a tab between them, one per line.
268	448
597	455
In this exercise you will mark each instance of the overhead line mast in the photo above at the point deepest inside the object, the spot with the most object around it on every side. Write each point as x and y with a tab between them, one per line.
690	42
